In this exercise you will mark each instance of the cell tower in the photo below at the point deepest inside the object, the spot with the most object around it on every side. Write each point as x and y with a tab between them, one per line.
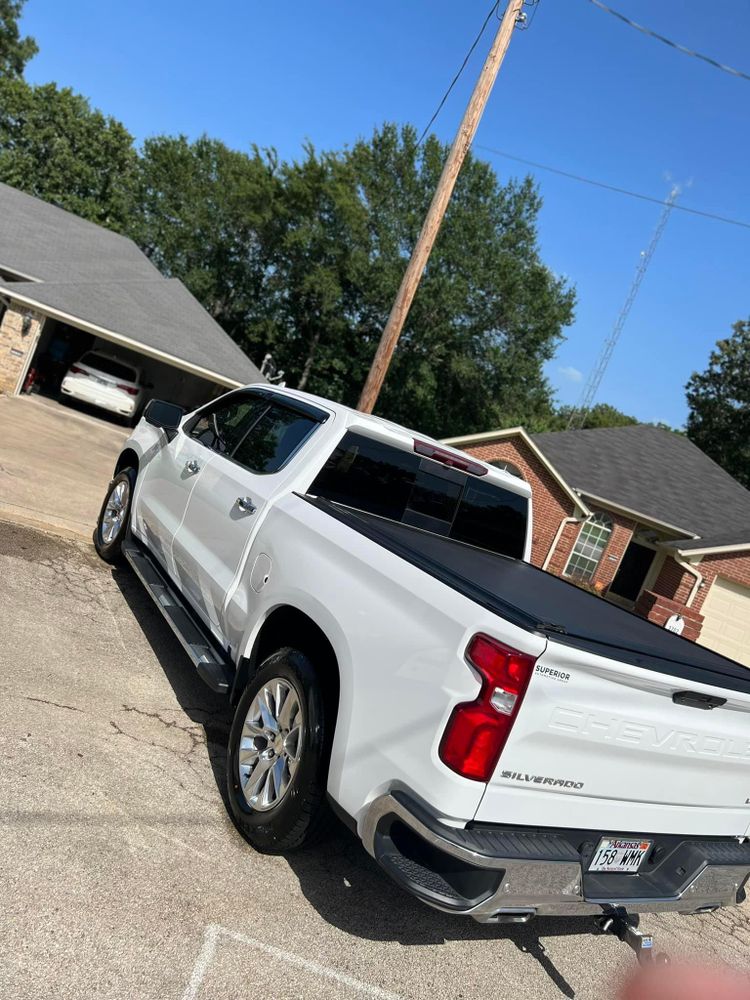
578	415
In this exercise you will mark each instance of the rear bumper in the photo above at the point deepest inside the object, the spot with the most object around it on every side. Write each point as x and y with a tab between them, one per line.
105	399
509	874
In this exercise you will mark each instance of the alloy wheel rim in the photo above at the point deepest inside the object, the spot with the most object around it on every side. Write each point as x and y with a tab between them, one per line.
270	744
114	512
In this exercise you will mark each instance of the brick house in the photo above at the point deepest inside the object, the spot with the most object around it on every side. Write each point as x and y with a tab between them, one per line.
642	516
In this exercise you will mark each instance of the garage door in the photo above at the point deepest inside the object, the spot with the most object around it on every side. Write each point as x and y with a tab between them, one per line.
727	625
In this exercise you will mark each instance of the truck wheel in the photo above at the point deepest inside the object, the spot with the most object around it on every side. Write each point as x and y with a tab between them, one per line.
111	527
277	758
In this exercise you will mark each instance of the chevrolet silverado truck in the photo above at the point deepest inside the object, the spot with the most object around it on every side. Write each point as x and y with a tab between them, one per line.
504	743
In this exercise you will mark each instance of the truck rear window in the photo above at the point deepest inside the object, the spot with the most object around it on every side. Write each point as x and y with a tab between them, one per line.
377	478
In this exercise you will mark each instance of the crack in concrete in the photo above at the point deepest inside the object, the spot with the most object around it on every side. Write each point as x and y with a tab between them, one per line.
175	723
725	928
119	731
55	704
195	732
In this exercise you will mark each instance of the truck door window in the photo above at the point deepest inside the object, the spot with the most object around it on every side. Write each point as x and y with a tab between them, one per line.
273	439
380	479
222	427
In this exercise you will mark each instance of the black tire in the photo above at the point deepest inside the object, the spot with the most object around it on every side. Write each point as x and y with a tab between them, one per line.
301	816
110	548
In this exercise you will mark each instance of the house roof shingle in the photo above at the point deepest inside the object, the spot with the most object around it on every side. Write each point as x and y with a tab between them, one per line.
100	277
659	474
47	243
160	314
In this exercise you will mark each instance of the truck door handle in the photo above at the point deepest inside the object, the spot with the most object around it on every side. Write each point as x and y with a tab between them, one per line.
192	466
246	504
693	699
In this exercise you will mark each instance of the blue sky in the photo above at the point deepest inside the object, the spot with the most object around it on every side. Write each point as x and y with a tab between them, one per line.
579	90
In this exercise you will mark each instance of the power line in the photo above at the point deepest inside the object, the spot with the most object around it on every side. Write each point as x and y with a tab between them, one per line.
612	187
523	24
455	79
668	41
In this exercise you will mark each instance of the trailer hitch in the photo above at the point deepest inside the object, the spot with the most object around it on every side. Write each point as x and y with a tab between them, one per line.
625	927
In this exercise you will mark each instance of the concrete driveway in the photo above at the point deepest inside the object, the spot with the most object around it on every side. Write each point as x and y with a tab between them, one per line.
55	464
123	877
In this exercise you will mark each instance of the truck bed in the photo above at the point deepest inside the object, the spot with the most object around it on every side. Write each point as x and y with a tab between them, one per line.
546	604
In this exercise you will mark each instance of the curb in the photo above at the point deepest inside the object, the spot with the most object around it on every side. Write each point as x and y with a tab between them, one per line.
62	528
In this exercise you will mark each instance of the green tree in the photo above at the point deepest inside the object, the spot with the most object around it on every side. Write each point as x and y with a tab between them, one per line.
206	214
318	260
487	315
15	51
719	401
304	259
55	146
599	415
488	312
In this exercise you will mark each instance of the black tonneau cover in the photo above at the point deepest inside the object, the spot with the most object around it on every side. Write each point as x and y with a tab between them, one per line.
546	604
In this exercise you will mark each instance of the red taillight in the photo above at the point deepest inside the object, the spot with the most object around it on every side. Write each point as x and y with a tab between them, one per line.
478	730
130	389
78	371
464	463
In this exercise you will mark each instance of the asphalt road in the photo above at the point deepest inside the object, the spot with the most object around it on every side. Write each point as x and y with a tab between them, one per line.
121	874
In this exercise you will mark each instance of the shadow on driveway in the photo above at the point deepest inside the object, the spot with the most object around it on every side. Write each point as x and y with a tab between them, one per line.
338	878
201	705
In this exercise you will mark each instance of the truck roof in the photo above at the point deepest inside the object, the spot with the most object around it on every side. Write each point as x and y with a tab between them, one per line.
400	435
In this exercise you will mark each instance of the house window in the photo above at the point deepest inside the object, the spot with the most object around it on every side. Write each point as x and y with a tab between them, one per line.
589	549
508	467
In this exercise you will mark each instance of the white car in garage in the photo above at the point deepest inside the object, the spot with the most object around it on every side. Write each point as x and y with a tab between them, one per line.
105	382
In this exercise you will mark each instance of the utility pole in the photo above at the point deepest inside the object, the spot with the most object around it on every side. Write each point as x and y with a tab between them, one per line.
421	253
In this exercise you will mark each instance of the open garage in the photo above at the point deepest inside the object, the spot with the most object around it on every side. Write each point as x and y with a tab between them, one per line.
61	345
70	289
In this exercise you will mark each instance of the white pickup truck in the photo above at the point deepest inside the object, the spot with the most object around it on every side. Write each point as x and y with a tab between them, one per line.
504	743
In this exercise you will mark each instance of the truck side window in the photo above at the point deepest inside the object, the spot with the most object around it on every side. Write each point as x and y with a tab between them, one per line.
222	427
273	439
391	482
368	475
492	518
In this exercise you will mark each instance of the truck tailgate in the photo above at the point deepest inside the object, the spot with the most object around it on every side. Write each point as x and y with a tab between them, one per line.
602	744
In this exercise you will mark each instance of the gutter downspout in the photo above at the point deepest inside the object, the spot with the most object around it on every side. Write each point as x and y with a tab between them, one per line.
693	572
558	535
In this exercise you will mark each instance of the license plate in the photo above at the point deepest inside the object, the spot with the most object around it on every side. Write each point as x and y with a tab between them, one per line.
616	854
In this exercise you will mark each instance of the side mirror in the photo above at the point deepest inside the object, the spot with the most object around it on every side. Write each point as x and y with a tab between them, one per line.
159	413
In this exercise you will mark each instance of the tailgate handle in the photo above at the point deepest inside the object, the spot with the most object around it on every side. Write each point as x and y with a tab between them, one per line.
693	699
